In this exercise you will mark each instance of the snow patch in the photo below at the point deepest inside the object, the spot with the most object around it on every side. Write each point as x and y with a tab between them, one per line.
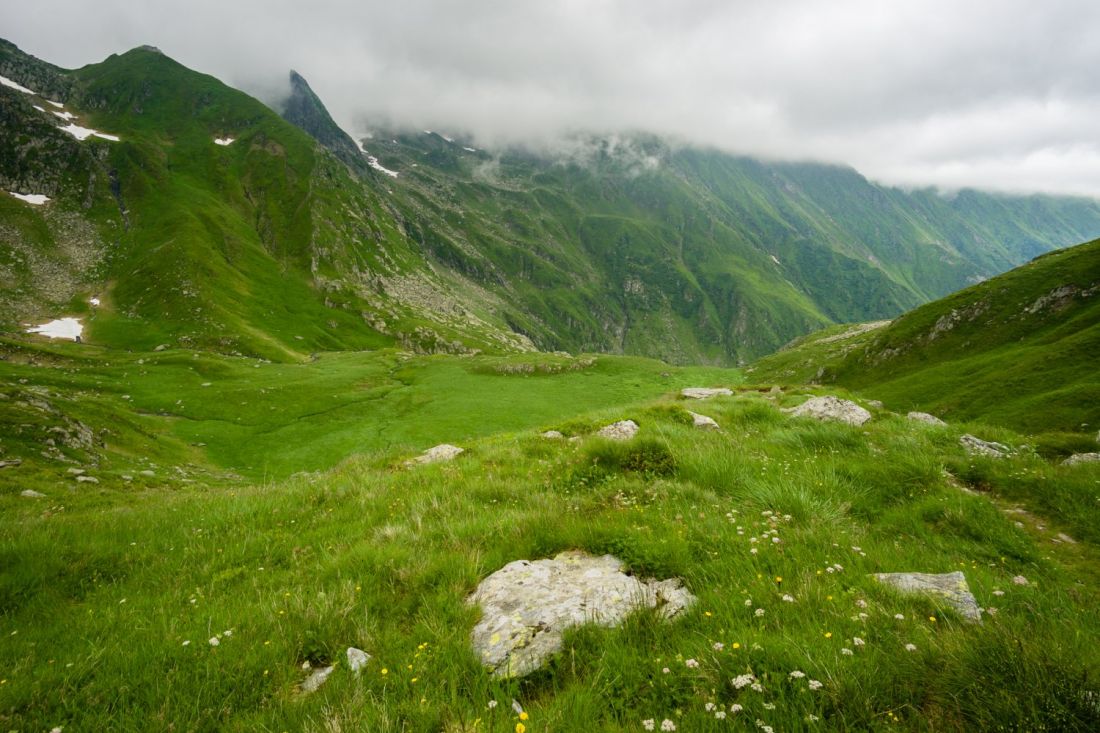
56	104
223	141
94	301
40	109
64	115
373	162
16	86
775	260
448	139
470	150
83	133
62	328
31	198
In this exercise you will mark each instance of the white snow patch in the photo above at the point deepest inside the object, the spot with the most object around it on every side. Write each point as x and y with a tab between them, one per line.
56	104
94	301
776	261
62	328
470	150
31	198
223	141
16	86
373	163
64	115
448	139
40	109
359	144
83	133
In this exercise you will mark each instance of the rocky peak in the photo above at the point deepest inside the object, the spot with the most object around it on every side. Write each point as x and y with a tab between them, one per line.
304	109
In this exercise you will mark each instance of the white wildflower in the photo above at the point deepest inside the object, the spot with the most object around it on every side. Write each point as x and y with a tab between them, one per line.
720	715
186	642
856	641
742	680
748	602
847	652
709	707
769	706
861	603
759	612
797	675
998	592
756	687
735	708
492	704
214	641
788	598
649	724
899	616
815	685
1020	580
667	724
718	646
691	664
910	647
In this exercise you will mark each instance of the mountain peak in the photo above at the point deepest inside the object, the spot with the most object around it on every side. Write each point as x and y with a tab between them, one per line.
304	109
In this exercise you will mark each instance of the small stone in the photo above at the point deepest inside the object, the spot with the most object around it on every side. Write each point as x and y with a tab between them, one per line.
1066	538
703	393
831	408
924	417
87	479
622	430
703	422
315	680
436	454
951	588
11	463
74	471
32	494
876	404
357	659
978	447
1079	458
552	435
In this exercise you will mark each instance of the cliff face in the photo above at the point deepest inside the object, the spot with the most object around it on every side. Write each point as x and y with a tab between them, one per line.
304	109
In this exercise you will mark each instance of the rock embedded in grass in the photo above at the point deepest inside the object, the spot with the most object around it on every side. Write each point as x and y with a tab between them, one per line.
948	587
622	430
924	417
831	408
527	605
357	659
436	454
978	447
1079	458
32	494
702	393
703	422
552	435
315	680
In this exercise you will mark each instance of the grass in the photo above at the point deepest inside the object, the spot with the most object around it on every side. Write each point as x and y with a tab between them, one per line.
101	586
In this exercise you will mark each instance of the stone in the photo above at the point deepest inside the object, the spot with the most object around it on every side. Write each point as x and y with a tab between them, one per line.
876	404
703	393
703	422
357	659
315	680
74	471
12	463
552	435
87	479
924	417
436	454
32	494
527	605
978	447
951	588
1078	458
622	430
775	390
831	408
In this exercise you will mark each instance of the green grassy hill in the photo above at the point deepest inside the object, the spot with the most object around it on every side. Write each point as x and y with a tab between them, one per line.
1019	350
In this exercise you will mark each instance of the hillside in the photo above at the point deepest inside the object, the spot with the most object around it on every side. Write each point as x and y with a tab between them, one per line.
1018	350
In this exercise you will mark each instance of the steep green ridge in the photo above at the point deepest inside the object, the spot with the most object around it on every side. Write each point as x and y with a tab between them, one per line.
1019	350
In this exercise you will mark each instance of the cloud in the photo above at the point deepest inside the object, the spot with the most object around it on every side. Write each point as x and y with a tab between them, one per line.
999	95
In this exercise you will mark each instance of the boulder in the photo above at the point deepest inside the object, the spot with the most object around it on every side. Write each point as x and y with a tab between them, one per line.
553	435
622	430
702	393
1079	458
357	659
924	417
951	588
87	479
527	605
876	404
315	680
978	447
436	454
703	422
831	408
32	494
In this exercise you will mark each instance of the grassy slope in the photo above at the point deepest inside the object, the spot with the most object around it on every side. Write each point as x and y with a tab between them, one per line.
100	588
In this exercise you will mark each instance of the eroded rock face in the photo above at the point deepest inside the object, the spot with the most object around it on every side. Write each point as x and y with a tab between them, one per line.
951	588
703	422
978	447
528	604
831	408
436	454
622	430
1078	458
924	417
702	393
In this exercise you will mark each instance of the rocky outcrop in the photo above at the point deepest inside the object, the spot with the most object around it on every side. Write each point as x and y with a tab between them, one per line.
436	454
832	409
622	430
950	588
528	605
703	422
924	417
703	393
1078	458
978	447
304	109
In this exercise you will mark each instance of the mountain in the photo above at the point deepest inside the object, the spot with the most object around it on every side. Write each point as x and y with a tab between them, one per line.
1019	350
213	223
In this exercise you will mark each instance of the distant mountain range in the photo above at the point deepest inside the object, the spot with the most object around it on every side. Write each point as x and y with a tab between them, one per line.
212	222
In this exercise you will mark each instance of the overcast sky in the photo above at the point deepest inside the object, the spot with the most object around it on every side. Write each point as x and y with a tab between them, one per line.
998	95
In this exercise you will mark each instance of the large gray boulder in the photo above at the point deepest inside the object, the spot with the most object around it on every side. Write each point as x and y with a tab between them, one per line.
703	393
978	447
622	430
924	417
831	408
436	454
527	605
703	422
950	588
1079	458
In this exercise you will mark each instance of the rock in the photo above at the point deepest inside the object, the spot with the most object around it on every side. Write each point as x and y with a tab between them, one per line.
32	494
876	404
87	479
948	587
622	430
74	471
703	422
775	390
1079	458
1063	537
528	605
702	393
315	680
978	447
924	417
552	435
436	454
12	463
357	659
831	408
